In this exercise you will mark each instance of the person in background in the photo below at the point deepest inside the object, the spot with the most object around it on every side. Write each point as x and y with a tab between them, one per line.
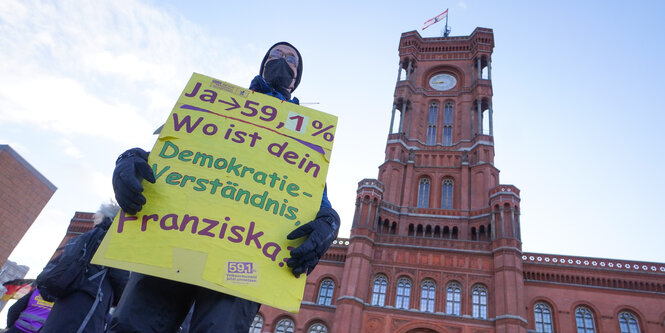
152	304
28	314
86	310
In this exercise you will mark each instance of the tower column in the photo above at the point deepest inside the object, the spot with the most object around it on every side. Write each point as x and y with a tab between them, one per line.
356	215
399	72
355	286
480	71
408	120
502	226
408	70
376	214
370	218
493	223
480	116
512	222
407	187
489	68
392	119
491	116
401	118
519	232
465	181
473	121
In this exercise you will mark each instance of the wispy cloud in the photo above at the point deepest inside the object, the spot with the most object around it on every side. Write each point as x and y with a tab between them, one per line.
70	66
70	149
81	81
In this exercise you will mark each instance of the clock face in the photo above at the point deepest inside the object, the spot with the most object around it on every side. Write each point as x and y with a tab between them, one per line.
442	82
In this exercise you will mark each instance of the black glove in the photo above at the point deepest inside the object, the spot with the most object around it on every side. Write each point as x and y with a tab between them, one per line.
130	168
322	232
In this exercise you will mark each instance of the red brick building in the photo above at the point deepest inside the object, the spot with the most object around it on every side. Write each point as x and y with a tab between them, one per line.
79	224
435	244
23	194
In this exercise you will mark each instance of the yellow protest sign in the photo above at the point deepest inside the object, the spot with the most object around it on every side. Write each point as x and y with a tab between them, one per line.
236	172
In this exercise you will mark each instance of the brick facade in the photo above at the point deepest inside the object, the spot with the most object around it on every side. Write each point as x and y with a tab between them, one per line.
445	248
435	244
23	194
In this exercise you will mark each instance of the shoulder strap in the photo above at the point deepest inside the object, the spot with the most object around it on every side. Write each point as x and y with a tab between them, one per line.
98	299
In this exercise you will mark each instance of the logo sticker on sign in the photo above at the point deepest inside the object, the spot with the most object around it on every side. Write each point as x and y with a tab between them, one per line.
241	273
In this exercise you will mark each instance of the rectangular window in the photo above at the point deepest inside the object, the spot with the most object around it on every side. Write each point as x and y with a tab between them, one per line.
431	135
447	135
423	193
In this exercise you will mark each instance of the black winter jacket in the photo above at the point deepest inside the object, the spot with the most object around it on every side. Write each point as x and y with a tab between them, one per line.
69	312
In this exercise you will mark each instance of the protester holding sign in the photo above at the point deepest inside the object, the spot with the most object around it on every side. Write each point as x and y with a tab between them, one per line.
154	304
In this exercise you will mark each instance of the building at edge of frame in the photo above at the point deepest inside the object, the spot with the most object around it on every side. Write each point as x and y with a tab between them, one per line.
24	192
435	244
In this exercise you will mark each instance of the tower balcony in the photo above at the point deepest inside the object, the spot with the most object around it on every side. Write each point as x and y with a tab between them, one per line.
447	212
484	138
432	242
397	137
370	187
434	212
482	87
504	194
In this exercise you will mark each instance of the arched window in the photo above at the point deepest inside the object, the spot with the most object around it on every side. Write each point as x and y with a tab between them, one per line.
448	124
423	193
427	296
379	290
317	328
326	292
431	123
543	318
403	293
628	323
479	302
257	324
284	326
453	299
447	194
584	320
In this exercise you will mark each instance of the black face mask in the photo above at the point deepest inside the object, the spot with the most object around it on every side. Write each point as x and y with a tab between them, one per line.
278	75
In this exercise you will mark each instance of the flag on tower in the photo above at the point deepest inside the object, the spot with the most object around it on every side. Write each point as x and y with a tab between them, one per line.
435	19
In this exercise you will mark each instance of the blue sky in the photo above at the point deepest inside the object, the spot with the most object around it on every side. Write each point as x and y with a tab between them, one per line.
578	119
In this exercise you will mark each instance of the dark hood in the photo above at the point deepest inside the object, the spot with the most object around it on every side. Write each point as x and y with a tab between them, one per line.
298	74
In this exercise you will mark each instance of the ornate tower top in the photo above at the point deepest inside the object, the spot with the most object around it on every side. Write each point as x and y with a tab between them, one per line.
438	178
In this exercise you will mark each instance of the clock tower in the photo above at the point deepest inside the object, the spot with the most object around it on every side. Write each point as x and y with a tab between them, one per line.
437	216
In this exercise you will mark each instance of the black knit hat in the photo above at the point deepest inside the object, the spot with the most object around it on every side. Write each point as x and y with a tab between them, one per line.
298	75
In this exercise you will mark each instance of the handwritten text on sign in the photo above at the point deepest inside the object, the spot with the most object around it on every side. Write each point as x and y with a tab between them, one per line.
236	172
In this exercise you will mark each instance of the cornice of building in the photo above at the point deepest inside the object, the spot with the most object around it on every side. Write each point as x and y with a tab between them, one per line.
361	237
509	316
507	248
604	264
319	306
351	298
584	285
411	312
